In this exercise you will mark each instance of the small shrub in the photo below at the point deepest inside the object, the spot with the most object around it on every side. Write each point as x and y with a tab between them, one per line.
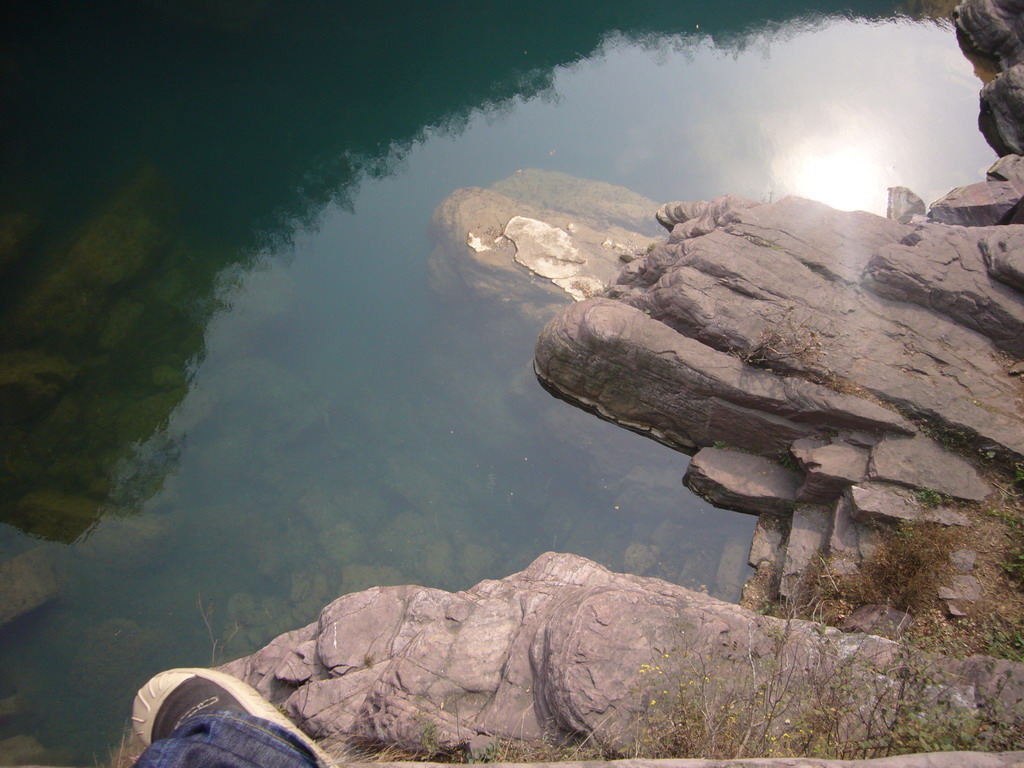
1013	562
929	497
842	706
1005	638
788	460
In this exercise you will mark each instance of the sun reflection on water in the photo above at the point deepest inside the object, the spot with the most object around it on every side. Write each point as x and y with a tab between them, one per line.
848	178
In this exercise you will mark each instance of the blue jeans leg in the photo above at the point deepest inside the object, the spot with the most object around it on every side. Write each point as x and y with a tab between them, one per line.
228	740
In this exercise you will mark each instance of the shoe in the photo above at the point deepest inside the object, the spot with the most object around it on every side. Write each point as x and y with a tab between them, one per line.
171	697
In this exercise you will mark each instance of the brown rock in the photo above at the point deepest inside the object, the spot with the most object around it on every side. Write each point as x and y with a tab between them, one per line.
890	504
636	371
30	382
877	620
919	462
976	205
828	469
741	481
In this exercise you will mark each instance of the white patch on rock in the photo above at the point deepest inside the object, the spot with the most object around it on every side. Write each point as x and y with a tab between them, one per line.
474	242
544	249
580	287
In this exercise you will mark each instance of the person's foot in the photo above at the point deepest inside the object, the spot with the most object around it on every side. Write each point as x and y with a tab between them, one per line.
171	697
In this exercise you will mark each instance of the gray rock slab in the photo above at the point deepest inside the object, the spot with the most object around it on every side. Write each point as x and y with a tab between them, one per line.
1002	106
768	544
964	587
808	536
992	27
1008	168
920	462
889	504
742	481
963	560
846	535
877	619
29	581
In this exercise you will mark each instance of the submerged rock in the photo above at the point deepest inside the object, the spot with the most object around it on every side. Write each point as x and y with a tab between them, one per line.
127	236
566	648
30	382
16	230
55	515
536	240
29	581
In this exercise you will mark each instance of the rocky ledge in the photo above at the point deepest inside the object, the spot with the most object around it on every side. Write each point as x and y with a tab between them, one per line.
819	363
569	650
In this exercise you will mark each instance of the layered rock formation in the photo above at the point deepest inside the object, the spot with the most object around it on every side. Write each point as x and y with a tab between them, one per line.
853	349
567	648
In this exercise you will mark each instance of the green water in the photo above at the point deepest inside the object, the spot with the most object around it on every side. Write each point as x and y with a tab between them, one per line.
214	259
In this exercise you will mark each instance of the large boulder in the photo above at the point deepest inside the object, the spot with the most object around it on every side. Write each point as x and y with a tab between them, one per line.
995	29
976	205
568	648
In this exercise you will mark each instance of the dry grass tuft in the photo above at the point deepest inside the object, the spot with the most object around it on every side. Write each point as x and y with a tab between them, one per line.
907	568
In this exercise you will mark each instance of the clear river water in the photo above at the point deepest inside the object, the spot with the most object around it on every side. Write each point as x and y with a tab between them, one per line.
214	242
